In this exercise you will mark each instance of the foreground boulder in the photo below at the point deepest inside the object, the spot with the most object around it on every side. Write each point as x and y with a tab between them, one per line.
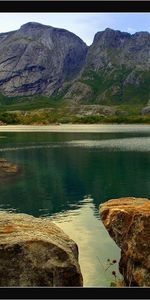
128	223
35	252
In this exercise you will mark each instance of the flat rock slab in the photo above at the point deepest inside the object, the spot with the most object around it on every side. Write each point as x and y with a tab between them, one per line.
35	252
128	223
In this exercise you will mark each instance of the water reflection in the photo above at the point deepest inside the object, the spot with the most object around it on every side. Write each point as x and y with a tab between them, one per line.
123	144
66	176
95	245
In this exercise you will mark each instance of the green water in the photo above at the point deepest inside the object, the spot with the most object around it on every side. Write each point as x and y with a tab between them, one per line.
65	176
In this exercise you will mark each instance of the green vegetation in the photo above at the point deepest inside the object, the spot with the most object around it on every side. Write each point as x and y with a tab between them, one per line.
29	102
109	85
50	110
58	116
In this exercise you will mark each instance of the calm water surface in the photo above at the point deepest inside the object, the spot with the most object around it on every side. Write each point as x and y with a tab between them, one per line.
65	176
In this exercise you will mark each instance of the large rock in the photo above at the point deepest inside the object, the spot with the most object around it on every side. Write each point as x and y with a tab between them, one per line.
36	59
35	252
128	223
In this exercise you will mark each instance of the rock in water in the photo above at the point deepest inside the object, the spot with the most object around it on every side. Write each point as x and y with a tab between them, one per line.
128	223
35	252
8	169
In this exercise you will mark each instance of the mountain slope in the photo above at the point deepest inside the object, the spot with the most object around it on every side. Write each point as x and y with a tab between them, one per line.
117	69
36	59
43	60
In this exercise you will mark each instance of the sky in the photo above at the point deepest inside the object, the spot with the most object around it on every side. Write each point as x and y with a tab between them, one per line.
85	25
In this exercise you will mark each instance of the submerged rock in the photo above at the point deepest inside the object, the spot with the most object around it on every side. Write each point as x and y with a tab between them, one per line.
128	223
35	252
8	168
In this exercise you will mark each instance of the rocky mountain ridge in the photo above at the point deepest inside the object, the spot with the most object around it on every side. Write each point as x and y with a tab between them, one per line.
42	60
113	47
36	59
117	69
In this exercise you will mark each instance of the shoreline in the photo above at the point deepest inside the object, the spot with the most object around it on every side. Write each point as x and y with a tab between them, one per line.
70	127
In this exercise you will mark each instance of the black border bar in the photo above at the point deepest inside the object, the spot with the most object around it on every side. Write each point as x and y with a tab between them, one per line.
74	6
74	293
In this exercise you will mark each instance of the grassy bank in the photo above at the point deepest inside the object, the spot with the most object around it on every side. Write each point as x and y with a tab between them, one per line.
46	110
48	117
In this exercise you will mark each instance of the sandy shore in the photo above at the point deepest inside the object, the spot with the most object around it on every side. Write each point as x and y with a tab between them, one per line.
74	128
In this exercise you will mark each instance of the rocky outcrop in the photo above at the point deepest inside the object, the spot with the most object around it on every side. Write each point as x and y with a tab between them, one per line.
127	221
93	110
146	110
35	252
79	91
36	59
8	169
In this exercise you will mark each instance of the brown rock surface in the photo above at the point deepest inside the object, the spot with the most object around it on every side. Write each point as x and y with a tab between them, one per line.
128	223
35	252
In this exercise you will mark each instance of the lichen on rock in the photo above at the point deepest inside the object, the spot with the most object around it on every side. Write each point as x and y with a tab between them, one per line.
127	221
35	252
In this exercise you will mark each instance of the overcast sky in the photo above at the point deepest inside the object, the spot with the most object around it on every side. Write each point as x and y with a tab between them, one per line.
85	25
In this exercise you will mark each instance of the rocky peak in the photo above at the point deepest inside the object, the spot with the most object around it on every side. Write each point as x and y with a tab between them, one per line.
141	39
113	47
37	58
33	25
141	34
110	37
32	30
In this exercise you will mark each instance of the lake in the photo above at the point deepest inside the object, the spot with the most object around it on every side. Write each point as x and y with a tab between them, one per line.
67	171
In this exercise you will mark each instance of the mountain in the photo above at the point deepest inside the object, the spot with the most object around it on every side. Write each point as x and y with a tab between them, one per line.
37	59
116	70
43	60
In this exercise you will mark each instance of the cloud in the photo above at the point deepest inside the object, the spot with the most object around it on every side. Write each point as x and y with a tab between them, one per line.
131	30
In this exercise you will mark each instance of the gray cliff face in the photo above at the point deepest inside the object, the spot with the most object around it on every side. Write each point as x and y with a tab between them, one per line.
117	68
113	47
36	59
40	59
